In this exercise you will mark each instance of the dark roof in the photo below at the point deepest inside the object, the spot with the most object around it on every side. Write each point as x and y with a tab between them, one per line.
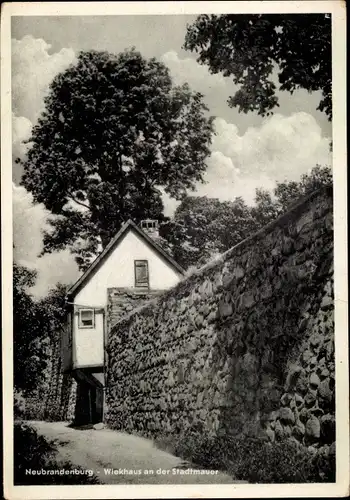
110	247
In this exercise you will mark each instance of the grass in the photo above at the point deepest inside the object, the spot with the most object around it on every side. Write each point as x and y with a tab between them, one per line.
33	452
253	459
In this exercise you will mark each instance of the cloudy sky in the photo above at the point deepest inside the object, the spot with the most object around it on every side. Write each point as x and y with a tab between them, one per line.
247	150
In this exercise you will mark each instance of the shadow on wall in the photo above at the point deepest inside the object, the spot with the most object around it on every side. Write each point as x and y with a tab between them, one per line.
273	320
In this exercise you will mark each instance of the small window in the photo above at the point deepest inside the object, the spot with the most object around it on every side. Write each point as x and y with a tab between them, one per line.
149	224
86	318
141	274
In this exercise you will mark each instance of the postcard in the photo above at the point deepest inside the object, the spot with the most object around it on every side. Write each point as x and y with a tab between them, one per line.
174	249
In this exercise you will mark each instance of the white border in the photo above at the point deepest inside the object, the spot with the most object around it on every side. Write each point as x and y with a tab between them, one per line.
338	10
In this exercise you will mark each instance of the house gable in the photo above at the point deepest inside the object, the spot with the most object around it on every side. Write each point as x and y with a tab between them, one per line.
115	267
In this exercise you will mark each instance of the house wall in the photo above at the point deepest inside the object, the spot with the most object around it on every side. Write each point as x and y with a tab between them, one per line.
243	346
88	343
118	271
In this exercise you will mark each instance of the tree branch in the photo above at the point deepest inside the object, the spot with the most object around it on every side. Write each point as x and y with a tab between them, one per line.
79	202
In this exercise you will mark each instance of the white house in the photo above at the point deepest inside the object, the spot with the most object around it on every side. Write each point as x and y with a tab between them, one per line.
132	261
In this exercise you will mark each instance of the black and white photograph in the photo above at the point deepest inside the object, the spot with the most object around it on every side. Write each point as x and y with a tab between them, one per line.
176	312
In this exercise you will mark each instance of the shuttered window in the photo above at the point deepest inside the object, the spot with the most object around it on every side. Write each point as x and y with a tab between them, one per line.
141	273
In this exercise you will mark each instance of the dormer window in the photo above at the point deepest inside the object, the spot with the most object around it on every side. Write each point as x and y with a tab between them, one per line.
86	318
141	274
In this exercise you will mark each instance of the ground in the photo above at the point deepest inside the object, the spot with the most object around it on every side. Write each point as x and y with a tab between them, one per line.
103	450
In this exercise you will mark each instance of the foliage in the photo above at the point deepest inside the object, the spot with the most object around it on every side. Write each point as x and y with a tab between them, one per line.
256	460
34	402
54	308
30	344
324	467
114	130
18	404
34	324
268	207
252	48
203	227
32	451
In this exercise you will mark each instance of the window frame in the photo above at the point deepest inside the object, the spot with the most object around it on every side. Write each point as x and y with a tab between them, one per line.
146	285
80	325
149	224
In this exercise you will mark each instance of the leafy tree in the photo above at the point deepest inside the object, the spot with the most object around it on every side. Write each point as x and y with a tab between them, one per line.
251	47
27	331
34	325
114	130
268	206
203	227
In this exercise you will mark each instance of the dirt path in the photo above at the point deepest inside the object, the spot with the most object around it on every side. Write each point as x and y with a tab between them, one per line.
119	458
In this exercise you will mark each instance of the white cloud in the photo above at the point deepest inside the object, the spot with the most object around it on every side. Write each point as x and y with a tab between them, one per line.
33	69
223	180
196	75
29	224
53	268
170	204
282	148
21	130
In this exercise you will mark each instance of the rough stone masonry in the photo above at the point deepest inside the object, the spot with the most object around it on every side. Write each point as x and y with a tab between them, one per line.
243	346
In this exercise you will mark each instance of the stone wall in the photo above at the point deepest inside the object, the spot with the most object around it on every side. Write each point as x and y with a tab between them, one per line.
244	345
59	399
121	301
54	399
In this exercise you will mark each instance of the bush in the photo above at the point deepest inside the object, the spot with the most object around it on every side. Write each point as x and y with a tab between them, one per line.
18	404
263	462
258	461
30	405
32	451
165	443
323	467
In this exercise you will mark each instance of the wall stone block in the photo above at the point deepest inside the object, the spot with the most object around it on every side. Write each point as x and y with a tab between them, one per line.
312	429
